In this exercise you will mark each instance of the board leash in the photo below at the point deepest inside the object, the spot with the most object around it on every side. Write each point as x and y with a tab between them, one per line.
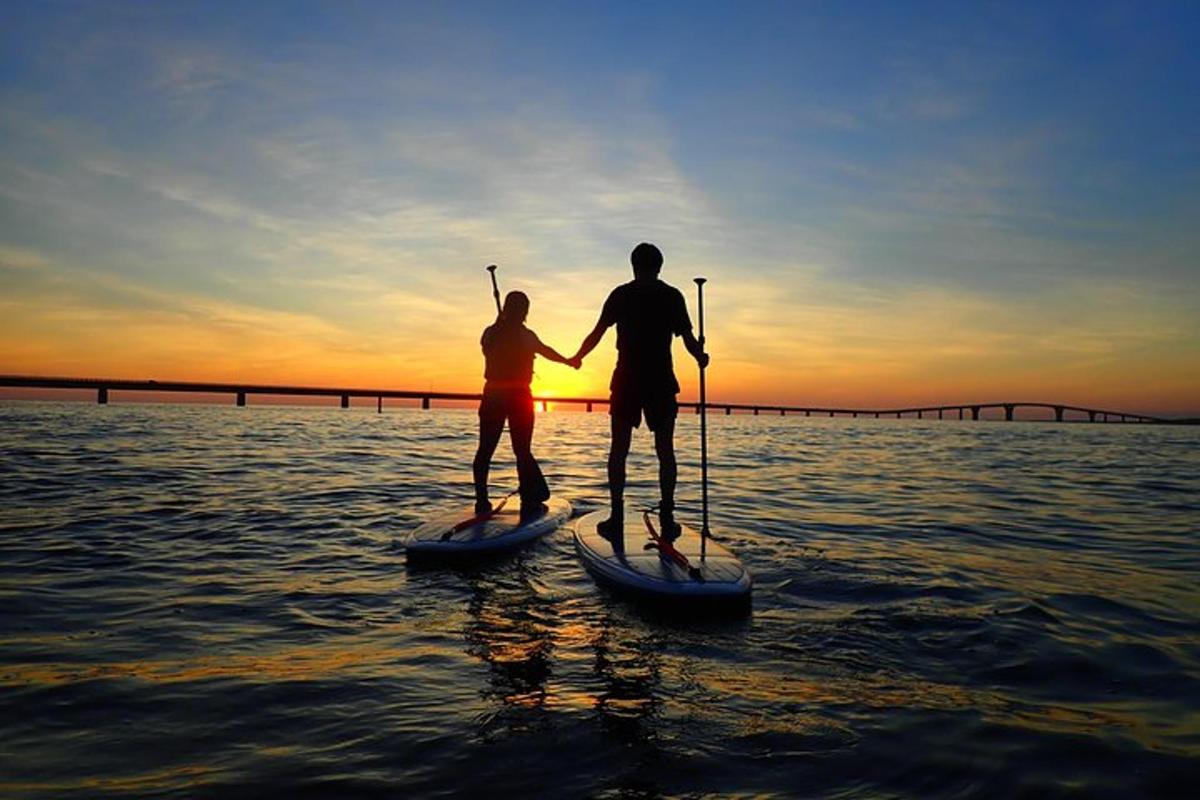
478	518
666	550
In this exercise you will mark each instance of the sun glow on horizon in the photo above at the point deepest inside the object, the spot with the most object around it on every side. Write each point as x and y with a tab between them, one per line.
563	382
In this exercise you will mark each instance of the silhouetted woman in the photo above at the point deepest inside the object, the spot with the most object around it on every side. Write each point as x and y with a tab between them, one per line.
509	349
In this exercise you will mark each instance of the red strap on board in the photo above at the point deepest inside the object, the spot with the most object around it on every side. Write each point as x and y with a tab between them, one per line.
668	551
478	518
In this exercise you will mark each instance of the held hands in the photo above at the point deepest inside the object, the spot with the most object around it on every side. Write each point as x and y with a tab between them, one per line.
574	362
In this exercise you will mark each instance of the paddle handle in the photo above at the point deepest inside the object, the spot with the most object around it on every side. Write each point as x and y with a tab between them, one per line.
495	288
703	424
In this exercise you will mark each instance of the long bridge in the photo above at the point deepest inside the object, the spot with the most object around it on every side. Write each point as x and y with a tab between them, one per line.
240	391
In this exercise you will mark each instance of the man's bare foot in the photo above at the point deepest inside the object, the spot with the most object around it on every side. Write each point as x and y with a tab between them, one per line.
612	528
482	506
668	527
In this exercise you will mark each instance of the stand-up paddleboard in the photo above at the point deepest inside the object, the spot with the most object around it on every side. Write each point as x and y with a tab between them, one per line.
664	569
445	536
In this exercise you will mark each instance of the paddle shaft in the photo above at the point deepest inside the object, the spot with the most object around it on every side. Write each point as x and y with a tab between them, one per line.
703	426
495	289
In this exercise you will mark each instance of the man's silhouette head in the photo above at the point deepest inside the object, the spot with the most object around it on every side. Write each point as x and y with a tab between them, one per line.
647	260
516	307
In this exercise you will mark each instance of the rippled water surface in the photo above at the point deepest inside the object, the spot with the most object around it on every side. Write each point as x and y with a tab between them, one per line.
213	601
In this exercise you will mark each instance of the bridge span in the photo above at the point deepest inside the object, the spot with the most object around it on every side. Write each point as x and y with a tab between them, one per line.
240	391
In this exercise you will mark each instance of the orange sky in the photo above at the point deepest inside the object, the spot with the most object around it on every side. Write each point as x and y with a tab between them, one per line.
906	351
946	213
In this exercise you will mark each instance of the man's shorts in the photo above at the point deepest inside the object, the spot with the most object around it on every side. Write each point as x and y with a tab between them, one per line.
630	404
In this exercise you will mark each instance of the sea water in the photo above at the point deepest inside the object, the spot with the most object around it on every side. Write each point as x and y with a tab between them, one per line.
214	601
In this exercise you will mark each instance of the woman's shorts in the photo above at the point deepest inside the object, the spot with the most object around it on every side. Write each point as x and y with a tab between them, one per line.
501	404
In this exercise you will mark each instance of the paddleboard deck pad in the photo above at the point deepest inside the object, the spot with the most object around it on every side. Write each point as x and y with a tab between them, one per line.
503	531
627	564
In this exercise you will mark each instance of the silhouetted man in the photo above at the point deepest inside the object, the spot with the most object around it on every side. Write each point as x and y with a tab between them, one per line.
648	314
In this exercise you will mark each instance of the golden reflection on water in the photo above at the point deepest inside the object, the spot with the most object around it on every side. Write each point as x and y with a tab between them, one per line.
1029	570
794	699
519	636
154	780
519	650
301	663
510	633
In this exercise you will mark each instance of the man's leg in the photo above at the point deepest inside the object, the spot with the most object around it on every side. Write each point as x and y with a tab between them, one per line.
490	429
660	416
622	433
668	471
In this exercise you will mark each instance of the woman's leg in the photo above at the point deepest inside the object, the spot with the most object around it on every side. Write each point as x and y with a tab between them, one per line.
529	474
490	429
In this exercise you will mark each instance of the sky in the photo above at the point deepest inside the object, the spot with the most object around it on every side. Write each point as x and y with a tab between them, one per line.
894	203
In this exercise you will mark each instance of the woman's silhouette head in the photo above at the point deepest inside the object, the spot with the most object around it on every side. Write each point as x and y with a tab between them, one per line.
516	307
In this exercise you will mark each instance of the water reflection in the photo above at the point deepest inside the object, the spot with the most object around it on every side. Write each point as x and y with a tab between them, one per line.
629	702
555	663
510	628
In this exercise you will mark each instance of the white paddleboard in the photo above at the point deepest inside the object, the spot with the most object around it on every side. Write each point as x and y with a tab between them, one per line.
719	575
502	531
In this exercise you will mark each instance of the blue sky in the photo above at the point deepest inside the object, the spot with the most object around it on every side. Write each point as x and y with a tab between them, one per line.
893	200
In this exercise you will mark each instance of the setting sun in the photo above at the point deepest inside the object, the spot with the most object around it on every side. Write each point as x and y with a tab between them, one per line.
556	381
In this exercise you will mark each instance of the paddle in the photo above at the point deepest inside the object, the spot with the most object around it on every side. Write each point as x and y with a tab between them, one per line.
667	551
495	289
703	426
